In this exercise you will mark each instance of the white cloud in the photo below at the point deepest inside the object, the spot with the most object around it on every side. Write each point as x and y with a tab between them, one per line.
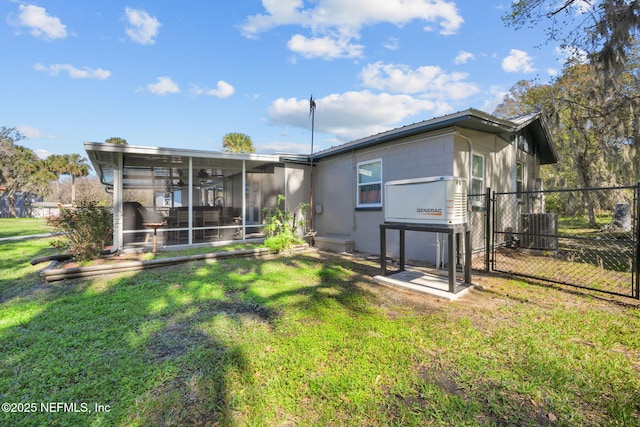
463	57
42	25
163	86
33	133
392	44
142	28
42	153
428	81
518	61
324	47
497	97
571	54
352	115
583	6
73	72
342	21
284	147
222	90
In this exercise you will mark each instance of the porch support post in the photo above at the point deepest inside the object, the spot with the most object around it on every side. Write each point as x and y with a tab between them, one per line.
117	203
190	208
244	199
402	240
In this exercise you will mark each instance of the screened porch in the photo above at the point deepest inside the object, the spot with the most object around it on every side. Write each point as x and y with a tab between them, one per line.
189	197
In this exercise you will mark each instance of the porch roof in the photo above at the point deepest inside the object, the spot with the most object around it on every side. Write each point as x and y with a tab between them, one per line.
147	167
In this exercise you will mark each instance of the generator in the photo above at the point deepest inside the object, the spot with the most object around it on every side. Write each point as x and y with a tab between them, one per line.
440	200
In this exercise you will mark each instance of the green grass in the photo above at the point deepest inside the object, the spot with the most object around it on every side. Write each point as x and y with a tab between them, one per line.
308	340
578	225
10	227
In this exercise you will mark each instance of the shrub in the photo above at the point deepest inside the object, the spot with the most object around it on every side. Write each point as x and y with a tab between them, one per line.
280	226
87	228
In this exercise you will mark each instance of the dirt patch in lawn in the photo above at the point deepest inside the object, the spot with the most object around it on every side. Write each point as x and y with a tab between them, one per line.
491	291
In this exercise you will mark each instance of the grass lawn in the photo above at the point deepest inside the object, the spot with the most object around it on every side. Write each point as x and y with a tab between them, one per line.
10	227
307	340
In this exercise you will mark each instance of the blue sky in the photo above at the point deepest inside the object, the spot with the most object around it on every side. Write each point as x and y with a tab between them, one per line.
183	74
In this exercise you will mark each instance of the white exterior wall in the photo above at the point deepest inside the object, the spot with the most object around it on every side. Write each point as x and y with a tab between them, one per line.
297	187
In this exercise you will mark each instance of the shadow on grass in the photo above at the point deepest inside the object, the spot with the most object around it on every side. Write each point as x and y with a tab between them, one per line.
19	278
156	347
180	346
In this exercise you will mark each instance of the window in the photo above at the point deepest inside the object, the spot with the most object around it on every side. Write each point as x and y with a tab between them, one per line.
369	184
519	178
477	174
525	144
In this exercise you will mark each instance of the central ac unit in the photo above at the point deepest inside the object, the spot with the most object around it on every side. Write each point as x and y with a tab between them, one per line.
539	231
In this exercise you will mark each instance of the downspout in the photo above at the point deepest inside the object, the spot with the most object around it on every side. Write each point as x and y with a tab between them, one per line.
118	240
470	169
470	172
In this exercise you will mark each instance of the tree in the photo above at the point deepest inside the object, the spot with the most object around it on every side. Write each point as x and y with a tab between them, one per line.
69	164
519	100
237	143
20	169
605	29
57	164
593	124
78	167
116	140
87	187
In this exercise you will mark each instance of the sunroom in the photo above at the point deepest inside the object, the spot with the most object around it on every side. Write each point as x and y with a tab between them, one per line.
192	197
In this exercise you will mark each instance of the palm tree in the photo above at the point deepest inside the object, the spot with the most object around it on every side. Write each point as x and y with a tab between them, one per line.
69	164
56	163
116	140
78	167
237	143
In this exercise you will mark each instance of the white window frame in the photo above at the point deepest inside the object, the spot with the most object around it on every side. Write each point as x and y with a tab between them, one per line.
359	184
475	178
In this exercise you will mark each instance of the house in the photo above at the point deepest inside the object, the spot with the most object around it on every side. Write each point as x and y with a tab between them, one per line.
183	187
24	204
504	155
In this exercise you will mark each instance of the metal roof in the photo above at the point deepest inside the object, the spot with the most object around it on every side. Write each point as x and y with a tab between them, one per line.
171	162
467	119
144	165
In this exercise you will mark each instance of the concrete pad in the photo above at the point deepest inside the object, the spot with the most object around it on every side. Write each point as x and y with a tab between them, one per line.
423	282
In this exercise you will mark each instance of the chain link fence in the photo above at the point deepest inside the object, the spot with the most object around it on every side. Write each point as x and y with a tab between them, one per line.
581	237
480	226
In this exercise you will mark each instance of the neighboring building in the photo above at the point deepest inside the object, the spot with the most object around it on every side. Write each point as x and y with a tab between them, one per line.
504	155
23	203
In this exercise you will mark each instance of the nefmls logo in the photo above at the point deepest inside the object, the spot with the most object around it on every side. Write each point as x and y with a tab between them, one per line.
430	211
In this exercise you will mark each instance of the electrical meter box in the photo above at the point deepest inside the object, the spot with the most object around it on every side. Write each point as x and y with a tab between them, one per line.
440	200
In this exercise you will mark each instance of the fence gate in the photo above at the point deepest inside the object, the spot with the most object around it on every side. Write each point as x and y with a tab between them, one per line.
586	238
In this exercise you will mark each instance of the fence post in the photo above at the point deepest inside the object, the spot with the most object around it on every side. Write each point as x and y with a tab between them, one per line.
636	258
487	228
